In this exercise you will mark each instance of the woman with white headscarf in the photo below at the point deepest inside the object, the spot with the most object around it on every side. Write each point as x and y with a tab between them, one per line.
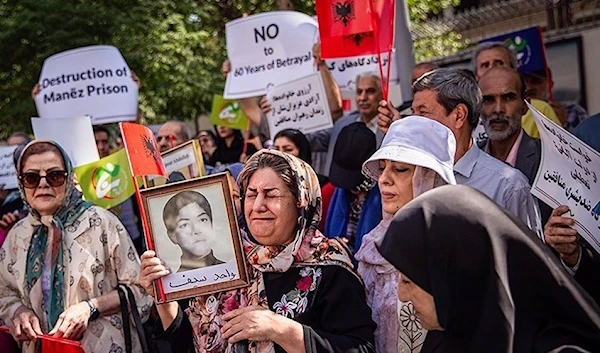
416	155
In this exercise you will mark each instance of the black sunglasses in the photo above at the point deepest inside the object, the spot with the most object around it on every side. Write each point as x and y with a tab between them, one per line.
54	178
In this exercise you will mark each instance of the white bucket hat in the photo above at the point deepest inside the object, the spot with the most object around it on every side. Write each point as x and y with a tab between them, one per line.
418	141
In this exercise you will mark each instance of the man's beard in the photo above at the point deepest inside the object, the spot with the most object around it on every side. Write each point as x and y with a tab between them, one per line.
514	125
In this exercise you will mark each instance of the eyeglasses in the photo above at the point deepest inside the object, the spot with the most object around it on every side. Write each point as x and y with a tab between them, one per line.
54	178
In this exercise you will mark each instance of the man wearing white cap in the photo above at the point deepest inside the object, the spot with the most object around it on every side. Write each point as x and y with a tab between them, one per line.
416	155
453	98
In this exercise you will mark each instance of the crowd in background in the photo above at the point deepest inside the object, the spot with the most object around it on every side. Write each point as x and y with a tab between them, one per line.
397	257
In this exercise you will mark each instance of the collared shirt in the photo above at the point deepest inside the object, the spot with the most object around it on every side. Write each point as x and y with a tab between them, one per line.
514	150
372	125
507	186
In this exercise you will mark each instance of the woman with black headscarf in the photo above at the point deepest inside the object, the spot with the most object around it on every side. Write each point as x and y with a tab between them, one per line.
483	281
230	147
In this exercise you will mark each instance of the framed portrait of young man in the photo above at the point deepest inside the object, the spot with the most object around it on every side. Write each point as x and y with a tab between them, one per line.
192	227
183	162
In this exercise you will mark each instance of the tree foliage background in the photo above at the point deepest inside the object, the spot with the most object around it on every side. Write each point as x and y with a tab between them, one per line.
175	47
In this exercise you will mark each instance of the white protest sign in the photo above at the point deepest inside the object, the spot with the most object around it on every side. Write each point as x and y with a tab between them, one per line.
179	159
300	104
94	81
74	135
568	175
345	70
268	49
200	277
8	172
183	159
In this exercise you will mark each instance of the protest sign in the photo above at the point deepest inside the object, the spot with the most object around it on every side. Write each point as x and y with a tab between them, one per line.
227	113
74	135
94	81
568	175
529	46
345	70
268	49
107	182
8	172
183	162
300	104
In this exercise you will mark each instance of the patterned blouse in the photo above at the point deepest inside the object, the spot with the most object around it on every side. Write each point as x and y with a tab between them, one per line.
99	255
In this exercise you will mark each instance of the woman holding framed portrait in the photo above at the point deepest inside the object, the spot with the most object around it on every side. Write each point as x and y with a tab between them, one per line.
304	294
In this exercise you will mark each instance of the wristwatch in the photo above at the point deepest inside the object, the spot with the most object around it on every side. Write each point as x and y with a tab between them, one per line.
94	312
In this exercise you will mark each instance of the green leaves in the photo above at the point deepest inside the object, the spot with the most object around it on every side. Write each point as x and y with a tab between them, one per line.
438	45
175	47
443	44
419	10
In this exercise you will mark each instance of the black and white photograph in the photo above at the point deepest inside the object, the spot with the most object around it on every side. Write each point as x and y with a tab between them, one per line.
193	228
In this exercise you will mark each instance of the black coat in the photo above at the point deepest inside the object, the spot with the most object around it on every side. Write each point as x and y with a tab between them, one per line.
230	154
497	288
588	273
337	318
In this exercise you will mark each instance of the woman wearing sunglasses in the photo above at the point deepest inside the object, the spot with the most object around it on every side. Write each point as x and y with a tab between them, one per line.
60	266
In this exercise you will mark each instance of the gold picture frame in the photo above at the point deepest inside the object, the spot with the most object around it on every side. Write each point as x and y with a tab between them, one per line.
185	159
192	226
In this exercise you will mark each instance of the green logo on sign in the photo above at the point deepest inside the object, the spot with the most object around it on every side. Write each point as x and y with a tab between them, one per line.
230	111
227	113
108	181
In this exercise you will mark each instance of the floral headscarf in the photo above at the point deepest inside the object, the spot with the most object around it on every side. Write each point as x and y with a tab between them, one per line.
309	249
50	270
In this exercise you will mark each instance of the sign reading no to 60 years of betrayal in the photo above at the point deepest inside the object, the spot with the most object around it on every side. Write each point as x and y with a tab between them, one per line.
94	81
267	50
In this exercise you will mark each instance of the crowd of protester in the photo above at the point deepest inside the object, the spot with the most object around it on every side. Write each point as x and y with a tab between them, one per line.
414	237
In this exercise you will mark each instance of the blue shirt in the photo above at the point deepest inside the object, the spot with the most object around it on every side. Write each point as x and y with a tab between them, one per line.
588	131
505	185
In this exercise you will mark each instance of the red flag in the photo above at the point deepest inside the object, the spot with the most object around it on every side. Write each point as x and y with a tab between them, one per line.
142	150
51	344
343	17
378	40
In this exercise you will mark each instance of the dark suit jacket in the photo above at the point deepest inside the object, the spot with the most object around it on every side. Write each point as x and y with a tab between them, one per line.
529	156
